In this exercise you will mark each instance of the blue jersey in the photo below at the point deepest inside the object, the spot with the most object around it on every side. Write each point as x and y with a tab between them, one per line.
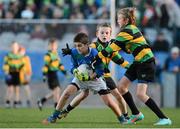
78	59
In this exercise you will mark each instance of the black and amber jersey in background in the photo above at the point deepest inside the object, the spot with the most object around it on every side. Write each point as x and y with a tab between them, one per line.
115	57
131	41
13	63
52	62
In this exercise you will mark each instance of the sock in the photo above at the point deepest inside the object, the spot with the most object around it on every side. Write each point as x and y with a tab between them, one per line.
129	100
15	104
43	100
125	114
55	104
7	102
69	108
153	106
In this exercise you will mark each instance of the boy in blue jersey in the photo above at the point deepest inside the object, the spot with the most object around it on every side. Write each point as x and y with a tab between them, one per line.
103	34
82	54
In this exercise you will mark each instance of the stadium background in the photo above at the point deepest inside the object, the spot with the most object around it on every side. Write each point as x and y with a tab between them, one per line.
33	22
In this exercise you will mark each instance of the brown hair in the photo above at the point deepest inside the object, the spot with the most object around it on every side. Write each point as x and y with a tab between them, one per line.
82	38
103	25
128	13
52	40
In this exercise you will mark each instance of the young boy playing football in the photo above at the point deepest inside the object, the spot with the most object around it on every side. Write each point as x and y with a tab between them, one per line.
103	34
52	64
83	54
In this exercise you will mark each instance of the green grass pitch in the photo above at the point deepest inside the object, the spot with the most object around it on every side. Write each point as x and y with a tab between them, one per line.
79	118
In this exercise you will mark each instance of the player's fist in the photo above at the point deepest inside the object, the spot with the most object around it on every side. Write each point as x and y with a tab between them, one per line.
66	51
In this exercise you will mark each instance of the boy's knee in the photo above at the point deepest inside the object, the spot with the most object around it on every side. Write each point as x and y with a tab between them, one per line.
67	94
122	90
141	96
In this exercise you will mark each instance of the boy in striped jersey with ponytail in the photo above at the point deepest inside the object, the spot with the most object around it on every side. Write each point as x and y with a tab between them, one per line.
131	41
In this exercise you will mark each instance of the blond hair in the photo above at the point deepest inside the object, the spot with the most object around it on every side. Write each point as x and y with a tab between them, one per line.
128	13
103	25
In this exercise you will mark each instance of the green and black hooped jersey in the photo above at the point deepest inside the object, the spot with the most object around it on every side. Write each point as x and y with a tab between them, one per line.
115	57
130	40
13	63
52	62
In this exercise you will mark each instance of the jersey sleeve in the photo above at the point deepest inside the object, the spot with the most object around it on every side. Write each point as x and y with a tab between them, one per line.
28	65
61	67
46	63
118	59
98	65
74	63
5	65
92	45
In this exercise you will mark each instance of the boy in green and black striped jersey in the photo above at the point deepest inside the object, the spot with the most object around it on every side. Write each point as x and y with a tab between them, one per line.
132	41
13	64
52	64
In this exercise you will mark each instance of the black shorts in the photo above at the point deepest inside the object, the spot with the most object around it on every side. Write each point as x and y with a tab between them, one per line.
74	84
144	72
110	83
104	92
14	80
53	81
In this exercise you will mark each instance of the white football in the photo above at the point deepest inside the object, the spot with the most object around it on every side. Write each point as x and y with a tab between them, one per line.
85	69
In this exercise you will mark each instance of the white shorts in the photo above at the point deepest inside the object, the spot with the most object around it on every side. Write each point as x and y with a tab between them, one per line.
95	86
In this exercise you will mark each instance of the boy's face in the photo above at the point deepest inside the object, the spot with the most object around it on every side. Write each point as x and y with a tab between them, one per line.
54	46
121	20
82	48
15	47
104	34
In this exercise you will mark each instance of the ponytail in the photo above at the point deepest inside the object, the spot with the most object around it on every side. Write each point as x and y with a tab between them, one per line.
128	13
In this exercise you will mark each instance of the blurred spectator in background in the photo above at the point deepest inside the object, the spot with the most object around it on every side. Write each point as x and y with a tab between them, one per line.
55	9
56	30
149	16
163	15
28	12
173	11
9	15
45	12
160	44
83	29
160	48
39	32
172	63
